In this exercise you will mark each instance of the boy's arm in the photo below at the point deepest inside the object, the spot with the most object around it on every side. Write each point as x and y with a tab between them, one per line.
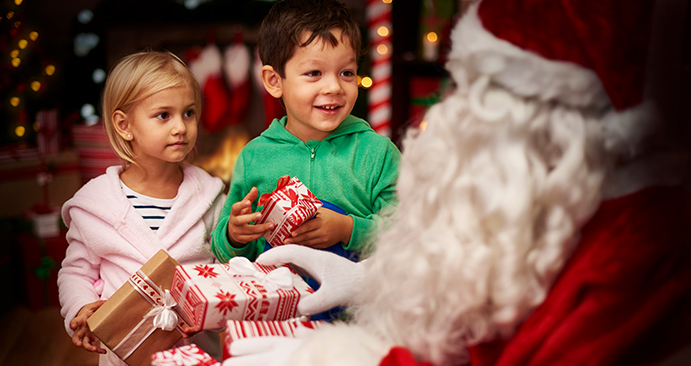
384	193
221	245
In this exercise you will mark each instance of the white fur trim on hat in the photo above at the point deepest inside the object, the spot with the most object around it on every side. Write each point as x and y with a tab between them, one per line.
522	72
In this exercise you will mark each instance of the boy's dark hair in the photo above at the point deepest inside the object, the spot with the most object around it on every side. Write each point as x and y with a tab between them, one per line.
281	30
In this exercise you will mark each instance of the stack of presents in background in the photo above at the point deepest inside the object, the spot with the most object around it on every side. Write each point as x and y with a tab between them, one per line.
35	181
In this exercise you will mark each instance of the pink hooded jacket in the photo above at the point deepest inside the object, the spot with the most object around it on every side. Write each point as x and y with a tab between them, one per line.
109	240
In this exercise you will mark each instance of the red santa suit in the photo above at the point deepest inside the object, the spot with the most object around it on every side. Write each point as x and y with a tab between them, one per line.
623	298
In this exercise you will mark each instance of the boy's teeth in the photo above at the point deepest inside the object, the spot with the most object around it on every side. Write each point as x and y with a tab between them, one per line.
329	107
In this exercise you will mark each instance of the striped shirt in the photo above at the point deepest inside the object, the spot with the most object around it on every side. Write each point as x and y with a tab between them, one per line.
153	210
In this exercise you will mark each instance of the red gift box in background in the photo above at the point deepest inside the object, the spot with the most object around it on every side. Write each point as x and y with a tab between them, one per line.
187	355
95	152
238	329
211	294
287	207
42	259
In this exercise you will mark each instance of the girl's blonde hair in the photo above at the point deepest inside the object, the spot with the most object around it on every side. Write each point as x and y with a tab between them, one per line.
136	77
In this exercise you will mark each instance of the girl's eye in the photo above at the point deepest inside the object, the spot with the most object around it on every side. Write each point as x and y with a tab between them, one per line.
162	115
190	113
348	73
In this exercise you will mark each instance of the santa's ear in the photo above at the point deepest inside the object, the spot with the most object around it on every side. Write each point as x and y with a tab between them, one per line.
272	81
122	125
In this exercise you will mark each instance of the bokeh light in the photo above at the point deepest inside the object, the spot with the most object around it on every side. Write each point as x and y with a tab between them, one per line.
20	131
85	16
382	49
50	70
383	31
87	111
35	85
98	76
366	82
432	37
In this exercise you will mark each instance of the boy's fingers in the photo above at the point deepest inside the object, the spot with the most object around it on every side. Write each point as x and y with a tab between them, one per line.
241	208
258	229
241	220
251	195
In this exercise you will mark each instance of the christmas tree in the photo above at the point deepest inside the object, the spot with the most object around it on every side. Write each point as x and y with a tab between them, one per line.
25	77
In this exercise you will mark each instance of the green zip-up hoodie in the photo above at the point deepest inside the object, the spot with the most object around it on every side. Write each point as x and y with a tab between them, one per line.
354	168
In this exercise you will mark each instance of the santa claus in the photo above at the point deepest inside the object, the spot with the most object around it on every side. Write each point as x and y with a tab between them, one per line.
538	223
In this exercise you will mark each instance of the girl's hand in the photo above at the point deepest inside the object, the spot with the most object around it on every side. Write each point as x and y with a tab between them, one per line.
83	337
324	230
240	231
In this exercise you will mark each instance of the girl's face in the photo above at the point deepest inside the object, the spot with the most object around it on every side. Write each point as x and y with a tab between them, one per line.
164	126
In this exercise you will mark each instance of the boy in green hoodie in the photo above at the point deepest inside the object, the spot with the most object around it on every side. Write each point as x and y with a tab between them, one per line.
310	50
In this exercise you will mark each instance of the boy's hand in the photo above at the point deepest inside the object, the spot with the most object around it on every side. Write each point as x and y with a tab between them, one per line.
83	337
326	229
240	231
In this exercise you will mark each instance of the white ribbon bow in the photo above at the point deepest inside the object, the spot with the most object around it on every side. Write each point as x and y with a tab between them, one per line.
164	316
280	278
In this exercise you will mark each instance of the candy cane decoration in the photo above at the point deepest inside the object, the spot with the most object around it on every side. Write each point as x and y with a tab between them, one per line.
379	26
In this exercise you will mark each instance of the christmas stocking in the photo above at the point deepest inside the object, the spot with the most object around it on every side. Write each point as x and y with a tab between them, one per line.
236	65
207	68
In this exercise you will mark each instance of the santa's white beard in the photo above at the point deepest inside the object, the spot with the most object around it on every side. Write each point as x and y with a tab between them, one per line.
492	195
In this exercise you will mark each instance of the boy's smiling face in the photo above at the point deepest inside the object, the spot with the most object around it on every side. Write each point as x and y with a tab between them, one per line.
320	87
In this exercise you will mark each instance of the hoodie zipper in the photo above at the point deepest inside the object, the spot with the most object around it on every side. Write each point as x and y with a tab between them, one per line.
313	154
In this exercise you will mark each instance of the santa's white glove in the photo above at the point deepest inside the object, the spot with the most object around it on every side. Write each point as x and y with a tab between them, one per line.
268	351
338	277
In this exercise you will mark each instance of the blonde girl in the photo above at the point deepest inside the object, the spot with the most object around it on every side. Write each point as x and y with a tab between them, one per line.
154	200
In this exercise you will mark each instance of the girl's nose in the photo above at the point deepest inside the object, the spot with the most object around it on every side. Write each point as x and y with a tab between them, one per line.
179	126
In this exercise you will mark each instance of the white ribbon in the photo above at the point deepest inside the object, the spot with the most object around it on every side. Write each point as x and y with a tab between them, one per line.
280	278
164	316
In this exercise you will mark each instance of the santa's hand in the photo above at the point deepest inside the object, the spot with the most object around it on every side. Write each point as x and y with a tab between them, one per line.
269	351
338	277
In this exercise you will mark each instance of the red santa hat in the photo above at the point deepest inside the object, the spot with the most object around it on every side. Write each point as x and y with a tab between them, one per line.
572	45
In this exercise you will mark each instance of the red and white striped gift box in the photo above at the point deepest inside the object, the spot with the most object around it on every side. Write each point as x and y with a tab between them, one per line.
187	355
211	294
287	207
238	329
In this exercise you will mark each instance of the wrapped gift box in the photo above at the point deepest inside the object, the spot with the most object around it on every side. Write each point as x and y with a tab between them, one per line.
211	294
287	207
126	322
187	355
238	329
